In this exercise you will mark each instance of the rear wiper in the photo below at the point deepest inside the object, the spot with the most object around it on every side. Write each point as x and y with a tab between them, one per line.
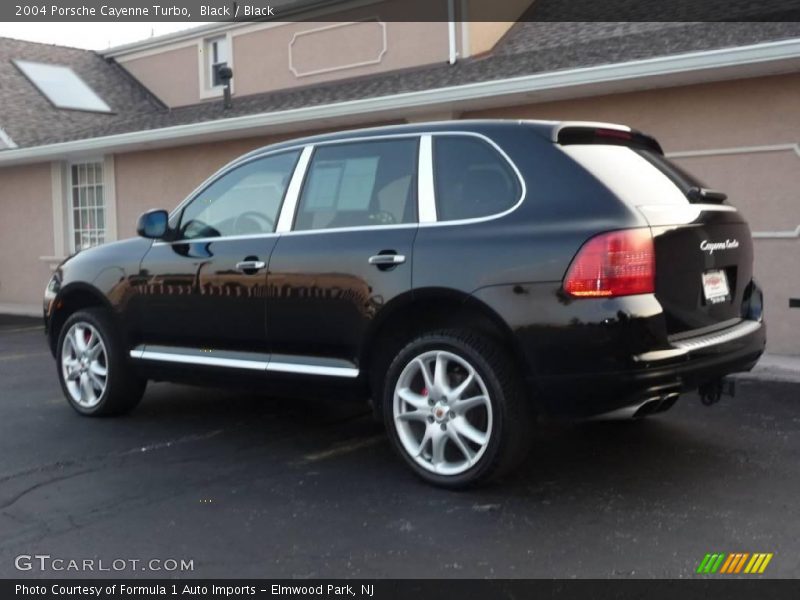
701	194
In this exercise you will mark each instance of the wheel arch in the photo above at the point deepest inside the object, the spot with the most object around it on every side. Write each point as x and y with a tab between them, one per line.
420	310
72	298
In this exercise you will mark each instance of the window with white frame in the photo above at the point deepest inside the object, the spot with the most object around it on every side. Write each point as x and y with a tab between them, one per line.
216	57
87	205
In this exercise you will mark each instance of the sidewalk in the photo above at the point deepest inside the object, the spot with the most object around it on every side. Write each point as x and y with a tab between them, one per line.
17	321
775	367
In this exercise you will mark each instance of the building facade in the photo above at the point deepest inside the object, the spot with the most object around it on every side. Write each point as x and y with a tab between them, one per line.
722	98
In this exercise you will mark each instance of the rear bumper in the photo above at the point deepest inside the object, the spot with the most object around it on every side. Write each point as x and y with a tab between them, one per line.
688	364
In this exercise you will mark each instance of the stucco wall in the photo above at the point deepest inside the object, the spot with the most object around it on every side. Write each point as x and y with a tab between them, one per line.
718	118
320	52
173	76
745	112
270	57
482	32
26	233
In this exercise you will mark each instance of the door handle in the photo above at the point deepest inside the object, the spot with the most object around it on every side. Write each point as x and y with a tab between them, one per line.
387	259
250	265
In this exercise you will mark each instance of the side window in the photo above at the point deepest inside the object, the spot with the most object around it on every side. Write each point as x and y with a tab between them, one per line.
360	183
471	179
244	201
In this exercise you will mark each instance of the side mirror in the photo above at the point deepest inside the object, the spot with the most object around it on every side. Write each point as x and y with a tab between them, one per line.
154	224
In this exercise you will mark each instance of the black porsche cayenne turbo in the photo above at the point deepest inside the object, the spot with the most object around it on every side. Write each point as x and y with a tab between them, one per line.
465	276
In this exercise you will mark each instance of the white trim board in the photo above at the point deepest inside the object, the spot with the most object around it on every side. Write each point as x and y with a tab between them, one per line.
787	234
777	235
666	71
21	310
364	63
736	150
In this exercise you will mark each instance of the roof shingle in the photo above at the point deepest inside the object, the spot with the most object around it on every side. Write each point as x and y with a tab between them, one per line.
528	48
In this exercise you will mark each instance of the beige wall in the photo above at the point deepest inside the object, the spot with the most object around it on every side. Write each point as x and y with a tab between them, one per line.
764	185
482	32
746	112
712	117
174	76
261	58
483	35
26	233
270	57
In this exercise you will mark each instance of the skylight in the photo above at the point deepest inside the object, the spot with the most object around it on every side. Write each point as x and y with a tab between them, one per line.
62	86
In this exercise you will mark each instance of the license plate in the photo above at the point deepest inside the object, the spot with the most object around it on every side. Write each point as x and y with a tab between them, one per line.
715	286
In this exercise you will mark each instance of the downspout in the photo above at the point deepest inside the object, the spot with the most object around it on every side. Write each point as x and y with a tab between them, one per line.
451	31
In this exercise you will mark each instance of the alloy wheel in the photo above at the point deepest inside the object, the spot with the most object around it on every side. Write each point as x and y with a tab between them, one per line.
84	364
442	412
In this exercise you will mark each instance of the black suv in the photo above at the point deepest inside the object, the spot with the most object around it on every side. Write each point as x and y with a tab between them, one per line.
466	276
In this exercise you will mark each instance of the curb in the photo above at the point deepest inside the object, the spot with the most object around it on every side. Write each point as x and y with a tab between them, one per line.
774	367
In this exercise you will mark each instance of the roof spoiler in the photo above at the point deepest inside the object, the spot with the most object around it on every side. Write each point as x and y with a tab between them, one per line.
700	194
604	133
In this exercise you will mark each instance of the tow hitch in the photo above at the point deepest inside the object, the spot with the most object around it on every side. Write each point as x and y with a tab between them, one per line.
712	392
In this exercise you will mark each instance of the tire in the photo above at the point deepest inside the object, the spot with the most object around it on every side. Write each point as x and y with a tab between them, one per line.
93	366
459	434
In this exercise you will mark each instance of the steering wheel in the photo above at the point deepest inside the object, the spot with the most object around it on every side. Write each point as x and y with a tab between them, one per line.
197	229
240	225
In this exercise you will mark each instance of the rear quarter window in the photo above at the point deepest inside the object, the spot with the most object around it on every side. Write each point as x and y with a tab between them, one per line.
471	179
638	177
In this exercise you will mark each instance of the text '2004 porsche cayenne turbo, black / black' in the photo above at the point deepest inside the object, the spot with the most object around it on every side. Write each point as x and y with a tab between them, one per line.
466	277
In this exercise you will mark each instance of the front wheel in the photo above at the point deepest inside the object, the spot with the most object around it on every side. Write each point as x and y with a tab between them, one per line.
455	409
92	366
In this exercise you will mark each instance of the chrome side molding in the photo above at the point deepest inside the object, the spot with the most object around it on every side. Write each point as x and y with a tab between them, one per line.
240	360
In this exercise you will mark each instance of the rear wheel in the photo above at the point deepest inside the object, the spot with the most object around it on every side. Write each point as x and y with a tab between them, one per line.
92	366
455	409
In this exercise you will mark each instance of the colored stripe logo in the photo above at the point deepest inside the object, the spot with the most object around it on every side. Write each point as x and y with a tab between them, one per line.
737	562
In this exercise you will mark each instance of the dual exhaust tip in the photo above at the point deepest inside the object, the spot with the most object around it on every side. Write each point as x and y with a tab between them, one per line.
656	404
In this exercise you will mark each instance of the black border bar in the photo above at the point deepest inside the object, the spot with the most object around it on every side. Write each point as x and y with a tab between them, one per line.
402	10
700	588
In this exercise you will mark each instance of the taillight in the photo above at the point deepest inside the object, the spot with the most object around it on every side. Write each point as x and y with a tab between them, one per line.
619	263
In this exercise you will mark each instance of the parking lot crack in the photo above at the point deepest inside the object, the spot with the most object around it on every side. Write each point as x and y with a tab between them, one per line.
17	497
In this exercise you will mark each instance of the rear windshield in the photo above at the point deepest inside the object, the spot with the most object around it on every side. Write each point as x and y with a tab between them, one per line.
638	176
676	174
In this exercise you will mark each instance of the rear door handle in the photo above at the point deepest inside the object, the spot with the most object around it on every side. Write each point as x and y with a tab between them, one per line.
250	265
387	259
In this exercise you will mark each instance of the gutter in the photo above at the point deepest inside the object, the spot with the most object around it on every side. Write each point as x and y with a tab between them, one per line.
713	65
451	32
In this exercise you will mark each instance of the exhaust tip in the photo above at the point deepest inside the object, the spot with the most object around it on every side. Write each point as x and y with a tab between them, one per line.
648	408
655	405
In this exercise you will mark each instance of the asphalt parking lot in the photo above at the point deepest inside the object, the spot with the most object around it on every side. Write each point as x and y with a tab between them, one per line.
250	486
